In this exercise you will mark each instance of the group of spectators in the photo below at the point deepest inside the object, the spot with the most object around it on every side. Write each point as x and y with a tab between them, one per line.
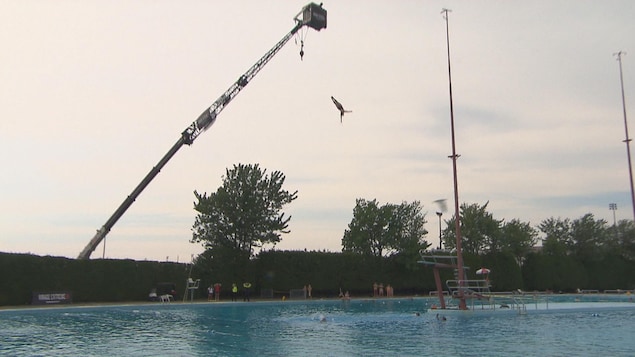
380	291
213	292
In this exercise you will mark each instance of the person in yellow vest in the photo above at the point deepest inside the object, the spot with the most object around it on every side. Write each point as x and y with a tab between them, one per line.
234	291
246	291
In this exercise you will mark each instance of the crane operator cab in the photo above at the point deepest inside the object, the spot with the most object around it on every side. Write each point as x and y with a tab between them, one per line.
314	16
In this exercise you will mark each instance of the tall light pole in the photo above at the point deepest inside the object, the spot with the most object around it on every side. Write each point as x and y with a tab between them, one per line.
627	140
440	214
613	207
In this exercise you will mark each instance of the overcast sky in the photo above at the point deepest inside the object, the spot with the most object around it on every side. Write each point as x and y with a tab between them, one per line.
94	93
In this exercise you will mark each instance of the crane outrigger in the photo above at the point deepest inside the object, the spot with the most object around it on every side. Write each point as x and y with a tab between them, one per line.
312	15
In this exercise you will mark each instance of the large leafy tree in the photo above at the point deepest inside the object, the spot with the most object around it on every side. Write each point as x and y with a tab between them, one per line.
518	238
480	232
385	230
367	234
244	213
558	239
410	221
589	237
621	239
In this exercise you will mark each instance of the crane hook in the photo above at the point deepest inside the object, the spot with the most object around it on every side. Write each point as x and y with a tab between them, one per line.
301	50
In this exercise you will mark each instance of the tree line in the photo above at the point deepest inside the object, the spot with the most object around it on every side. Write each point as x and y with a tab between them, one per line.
245	213
240	223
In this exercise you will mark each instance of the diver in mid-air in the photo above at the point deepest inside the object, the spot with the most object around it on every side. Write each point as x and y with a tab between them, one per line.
340	107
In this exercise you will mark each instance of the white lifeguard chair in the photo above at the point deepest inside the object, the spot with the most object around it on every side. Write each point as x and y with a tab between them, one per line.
191	285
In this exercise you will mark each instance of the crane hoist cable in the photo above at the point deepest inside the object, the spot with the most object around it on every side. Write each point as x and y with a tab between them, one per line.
301	35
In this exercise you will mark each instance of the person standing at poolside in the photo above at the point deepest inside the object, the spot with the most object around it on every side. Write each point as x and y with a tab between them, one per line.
217	291
234	291
210	293
374	289
381	290
246	291
309	289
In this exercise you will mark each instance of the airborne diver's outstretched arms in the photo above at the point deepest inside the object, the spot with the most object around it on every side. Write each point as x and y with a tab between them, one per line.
340	107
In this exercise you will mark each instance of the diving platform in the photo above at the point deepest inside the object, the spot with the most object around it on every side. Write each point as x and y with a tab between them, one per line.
476	293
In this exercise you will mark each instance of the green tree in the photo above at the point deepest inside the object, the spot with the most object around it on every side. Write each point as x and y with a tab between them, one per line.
410	233
558	236
518	238
622	240
589	237
244	213
479	230
385	230
367	234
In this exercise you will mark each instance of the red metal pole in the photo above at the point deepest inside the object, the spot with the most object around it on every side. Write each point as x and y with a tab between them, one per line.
454	157
437	280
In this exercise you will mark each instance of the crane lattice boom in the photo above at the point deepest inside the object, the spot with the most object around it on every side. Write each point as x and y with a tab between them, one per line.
312	15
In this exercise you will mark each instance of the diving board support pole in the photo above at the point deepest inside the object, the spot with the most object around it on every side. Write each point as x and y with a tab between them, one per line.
437	280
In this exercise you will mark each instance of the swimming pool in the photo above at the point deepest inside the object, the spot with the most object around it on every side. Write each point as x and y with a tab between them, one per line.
295	328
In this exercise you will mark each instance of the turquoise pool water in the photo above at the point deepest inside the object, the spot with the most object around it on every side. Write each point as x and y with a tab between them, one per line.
324	328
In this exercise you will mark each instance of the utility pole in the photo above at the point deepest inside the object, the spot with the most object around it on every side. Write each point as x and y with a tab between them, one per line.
627	140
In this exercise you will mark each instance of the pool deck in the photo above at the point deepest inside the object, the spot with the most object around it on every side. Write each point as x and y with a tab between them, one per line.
535	301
